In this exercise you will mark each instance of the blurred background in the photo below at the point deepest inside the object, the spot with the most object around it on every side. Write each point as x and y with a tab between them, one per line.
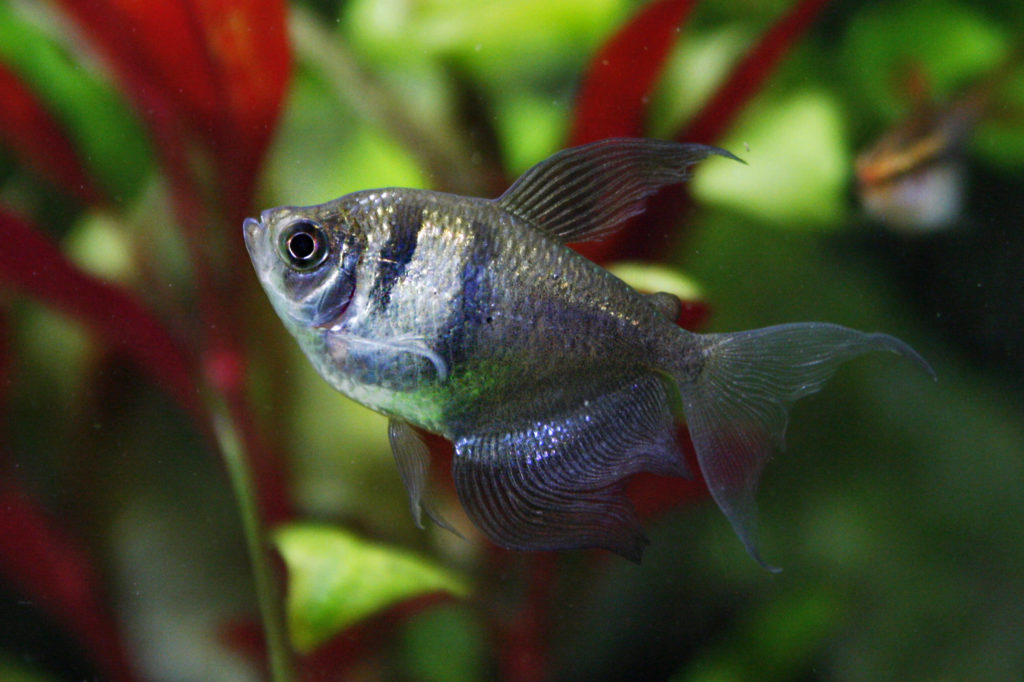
883	190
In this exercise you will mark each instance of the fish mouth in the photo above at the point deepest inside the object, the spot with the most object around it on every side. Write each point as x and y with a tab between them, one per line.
257	243
250	233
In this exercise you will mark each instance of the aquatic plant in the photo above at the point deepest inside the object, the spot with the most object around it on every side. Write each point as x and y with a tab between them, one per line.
136	137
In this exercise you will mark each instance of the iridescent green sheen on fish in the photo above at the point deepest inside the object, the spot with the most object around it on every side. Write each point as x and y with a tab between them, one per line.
471	318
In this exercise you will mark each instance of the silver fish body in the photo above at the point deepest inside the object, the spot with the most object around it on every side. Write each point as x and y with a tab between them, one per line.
470	318
484	311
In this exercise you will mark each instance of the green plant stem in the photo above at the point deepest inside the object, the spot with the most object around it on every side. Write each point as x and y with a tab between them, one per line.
439	149
271	612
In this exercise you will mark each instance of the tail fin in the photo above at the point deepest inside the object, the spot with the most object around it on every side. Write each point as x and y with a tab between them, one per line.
736	404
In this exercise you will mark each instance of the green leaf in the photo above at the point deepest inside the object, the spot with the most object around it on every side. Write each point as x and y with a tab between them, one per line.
1000	138
775	640
109	138
530	127
798	164
500	41
337	579
696	68
324	151
444	644
952	42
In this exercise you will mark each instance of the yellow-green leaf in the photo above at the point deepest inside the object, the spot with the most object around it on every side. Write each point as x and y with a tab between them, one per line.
336	579
650	278
798	164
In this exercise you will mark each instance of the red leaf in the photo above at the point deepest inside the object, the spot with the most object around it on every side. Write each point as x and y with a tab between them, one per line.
5	374
34	136
655	495
693	315
749	75
650	235
246	42
213	73
219	68
526	637
33	265
47	567
613	97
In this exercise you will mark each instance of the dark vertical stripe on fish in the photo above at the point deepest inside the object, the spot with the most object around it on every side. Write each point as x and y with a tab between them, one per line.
406	223
471	313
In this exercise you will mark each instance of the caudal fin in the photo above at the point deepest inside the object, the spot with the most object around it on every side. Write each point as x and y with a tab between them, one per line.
737	406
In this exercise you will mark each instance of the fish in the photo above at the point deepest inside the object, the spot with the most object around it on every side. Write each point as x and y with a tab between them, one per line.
556	382
913	178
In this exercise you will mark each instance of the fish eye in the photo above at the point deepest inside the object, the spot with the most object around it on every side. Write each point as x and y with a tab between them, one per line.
304	245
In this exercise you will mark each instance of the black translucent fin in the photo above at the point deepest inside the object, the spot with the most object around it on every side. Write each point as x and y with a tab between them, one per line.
413	459
736	408
586	192
556	482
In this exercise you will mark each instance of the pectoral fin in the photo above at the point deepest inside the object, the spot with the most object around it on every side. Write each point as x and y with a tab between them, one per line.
414	345
413	459
586	192
556	482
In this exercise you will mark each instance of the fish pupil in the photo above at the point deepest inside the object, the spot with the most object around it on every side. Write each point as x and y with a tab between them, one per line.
305	245
301	246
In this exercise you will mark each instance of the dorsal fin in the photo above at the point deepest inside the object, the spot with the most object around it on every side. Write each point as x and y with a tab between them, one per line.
586	192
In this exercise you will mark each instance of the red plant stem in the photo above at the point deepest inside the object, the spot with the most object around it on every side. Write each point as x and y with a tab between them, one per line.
749	75
40	559
612	101
524	641
650	235
47	567
221	69
34	266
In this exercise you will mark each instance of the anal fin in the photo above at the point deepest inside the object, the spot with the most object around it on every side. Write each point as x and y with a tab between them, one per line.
555	481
